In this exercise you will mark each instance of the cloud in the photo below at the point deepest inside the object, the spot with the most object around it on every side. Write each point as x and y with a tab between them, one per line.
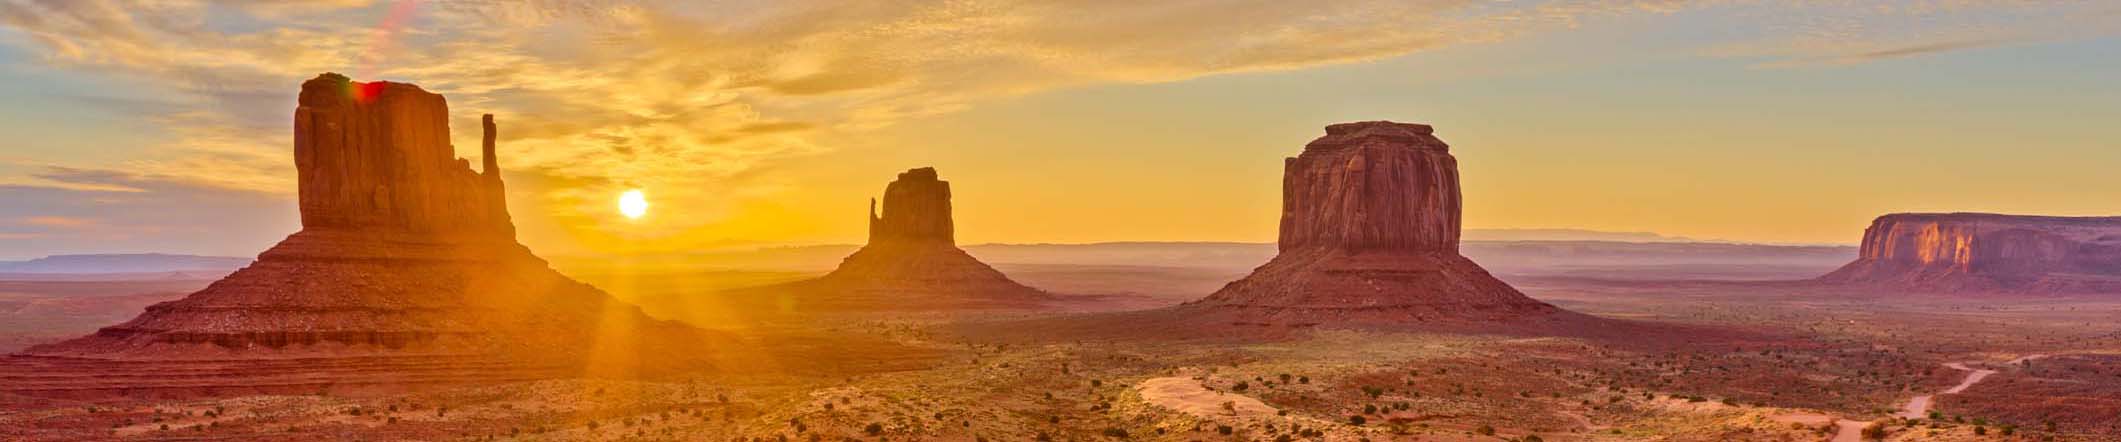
59	222
1802	34
675	96
693	99
150	214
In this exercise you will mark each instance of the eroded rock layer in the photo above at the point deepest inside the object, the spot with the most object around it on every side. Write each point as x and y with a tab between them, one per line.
916	210
912	262
404	252
1978	252
1369	234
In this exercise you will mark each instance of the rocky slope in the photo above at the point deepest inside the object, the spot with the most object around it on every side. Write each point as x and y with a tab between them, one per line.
1370	234
1978	252
911	262
404	251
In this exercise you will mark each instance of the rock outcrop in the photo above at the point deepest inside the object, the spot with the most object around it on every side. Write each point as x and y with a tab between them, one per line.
916	210
1979	252
911	263
405	254
1369	235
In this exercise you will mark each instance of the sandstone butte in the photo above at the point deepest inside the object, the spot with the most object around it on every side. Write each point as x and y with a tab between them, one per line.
1988	253
910	263
406	268
1370	228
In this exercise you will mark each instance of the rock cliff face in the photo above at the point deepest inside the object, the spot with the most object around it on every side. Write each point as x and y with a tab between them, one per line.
376	158
404	252
1976	252
1369	235
916	210
911	263
1372	186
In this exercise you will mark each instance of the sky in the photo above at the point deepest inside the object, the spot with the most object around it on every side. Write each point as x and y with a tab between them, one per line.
164	125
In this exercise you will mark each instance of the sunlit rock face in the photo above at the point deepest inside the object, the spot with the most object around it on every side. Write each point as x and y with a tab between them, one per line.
1372	186
1977	252
911	262
376	158
1369	234
404	251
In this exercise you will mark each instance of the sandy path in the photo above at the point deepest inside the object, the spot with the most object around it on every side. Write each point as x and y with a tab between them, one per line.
1186	395
1919	407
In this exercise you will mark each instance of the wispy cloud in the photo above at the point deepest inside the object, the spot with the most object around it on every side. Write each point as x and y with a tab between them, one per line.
151	214
693	99
614	94
1822	33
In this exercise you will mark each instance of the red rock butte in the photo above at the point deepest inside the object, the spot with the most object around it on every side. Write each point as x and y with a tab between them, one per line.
406	270
911	263
1370	228
1980	252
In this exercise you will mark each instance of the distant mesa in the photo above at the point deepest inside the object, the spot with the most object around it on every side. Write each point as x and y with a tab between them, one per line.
1980	252
406	258
911	263
1370	228
124	263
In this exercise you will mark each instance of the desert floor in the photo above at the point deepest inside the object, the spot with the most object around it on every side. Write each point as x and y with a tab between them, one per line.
1803	363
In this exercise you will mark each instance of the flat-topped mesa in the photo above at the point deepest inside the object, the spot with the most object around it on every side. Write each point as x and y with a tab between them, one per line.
1967	252
376	157
916	211
1374	186
1369	236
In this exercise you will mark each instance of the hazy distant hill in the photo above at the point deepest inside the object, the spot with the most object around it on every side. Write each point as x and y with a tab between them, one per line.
1566	235
1601	259
125	263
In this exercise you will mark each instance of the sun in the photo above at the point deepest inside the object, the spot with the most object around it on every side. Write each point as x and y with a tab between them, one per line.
633	204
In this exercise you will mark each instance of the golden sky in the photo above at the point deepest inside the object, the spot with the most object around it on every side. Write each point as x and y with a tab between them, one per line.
162	125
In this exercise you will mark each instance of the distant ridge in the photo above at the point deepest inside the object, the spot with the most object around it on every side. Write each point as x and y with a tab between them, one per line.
125	263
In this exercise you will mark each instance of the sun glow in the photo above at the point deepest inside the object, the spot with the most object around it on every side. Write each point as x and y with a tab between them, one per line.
633	204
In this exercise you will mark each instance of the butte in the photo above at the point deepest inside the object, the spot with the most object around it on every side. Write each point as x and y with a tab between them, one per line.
1987	253
1370	226
406	272
1369	240
911	263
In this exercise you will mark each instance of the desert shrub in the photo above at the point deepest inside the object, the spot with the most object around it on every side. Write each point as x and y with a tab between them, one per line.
1240	387
1874	431
1374	392
1356	420
1486	430
873	429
